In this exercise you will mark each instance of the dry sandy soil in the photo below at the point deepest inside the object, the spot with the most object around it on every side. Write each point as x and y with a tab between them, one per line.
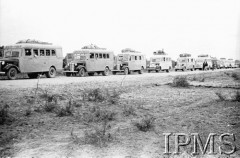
104	116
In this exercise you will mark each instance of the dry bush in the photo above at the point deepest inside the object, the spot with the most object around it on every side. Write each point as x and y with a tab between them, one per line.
95	95
237	97
128	110
95	114
220	96
113	96
99	136
4	114
235	76
180	81
145	124
66	110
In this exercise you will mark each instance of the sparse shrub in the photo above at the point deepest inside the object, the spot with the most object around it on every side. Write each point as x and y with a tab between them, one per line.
96	95
113	96
235	76
202	79
4	113
145	124
237	96
220	96
194	78
28	112
99	136
128	110
95	114
50	106
66	110
180	81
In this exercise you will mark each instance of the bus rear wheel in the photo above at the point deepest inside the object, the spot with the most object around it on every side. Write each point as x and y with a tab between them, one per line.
106	72
51	73
12	73
82	72
126	71
141	71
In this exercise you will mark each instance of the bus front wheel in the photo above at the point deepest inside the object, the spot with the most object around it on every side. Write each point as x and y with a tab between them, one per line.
106	72
82	72
126	71
51	73
12	73
141	71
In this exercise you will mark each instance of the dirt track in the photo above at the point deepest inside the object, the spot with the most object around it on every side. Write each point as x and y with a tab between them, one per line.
61	80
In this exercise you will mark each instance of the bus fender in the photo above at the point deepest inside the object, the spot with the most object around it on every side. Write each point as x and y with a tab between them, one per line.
6	68
80	66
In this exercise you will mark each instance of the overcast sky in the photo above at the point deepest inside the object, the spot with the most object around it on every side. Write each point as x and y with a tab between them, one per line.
177	26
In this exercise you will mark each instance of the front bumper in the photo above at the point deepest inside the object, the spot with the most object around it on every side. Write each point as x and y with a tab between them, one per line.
2	73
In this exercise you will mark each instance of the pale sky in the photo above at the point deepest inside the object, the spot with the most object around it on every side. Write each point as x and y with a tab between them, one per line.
177	26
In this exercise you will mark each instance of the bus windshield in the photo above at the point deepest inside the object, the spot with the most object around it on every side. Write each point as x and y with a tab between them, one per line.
9	54
122	58
1	54
80	56
156	60
182	60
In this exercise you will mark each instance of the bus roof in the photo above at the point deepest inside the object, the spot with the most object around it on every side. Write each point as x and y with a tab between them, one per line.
30	45
131	53
92	50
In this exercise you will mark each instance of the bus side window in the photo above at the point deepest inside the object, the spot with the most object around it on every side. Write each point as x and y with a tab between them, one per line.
104	56
140	57
41	52
96	55
91	55
28	52
164	59
100	55
35	51
53	53
107	55
47	52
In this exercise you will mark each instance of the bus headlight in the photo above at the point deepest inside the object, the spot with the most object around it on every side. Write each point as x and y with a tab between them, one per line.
3	62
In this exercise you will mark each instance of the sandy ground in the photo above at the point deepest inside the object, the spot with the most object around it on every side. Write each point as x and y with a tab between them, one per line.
62	80
194	109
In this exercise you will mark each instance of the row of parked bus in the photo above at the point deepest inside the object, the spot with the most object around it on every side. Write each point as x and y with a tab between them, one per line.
34	57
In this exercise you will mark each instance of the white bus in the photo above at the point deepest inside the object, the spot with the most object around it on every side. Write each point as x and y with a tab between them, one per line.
200	60
185	62
129	61
31	57
88	60
160	61
223	63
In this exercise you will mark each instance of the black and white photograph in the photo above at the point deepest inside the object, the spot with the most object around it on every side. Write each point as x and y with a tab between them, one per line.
119	79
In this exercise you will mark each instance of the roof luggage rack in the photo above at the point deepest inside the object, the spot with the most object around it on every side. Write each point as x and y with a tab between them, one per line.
92	46
185	55
33	41
129	50
159	52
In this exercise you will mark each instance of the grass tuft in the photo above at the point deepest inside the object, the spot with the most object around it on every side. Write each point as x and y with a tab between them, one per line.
180	81
145	124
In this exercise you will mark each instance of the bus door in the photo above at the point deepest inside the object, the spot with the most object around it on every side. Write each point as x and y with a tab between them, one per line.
132	62
91	62
28	62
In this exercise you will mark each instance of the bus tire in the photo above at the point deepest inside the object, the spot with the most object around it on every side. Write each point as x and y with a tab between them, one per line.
126	71
12	73
114	72
51	73
68	74
82	72
167	70
33	75
149	71
106	72
141	71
